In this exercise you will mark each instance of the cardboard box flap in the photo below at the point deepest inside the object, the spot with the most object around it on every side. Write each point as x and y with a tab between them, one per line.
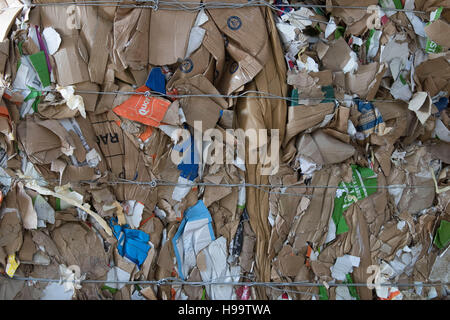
301	118
71	68
169	35
438	32
131	42
200	108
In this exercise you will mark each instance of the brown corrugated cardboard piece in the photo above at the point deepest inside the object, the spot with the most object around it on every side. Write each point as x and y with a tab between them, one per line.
269	114
350	16
246	35
169	35
4	53
95	30
206	110
301	118
11	233
361	81
71	68
438	32
39	142
85	250
131	40
313	225
337	55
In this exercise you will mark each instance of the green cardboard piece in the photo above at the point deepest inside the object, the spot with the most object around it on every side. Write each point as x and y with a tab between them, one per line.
442	238
363	184
40	65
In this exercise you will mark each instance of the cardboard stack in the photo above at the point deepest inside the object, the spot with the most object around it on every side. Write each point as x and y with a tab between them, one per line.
114	121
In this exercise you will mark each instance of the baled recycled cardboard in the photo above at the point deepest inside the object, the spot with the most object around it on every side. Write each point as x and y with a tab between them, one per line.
199	62
154	228
421	105
25	207
80	246
110	138
202	109
7	17
288	263
136	170
246	34
263	114
212	193
324	149
11	232
301	118
10	288
169	35
71	68
338	127
360	248
238	71
131	41
440	151
57	17
337	56
193	292
89	99
42	239
213	41
95	30
248	245
246	27
438	32
56	110
313	226
351	16
28	248
286	206
359	82
41	144
433	76
4	53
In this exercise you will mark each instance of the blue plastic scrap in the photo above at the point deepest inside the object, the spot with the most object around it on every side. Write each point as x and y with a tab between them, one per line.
189	164
190	250
133	244
156	81
441	104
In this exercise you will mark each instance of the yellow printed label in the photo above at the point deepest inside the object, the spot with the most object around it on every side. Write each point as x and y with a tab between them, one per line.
12	265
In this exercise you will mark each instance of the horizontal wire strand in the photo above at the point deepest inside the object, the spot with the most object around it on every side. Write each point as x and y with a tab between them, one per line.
177	281
156	183
265	95
197	6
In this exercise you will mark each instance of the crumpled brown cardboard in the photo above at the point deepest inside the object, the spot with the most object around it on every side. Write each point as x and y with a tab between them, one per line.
71	67
131	40
261	114
85	250
169	35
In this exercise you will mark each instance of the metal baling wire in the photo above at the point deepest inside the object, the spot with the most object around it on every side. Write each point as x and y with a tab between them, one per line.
187	6
156	183
220	281
267	95
169	282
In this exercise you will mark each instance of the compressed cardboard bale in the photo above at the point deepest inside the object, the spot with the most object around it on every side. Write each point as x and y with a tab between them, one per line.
80	246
